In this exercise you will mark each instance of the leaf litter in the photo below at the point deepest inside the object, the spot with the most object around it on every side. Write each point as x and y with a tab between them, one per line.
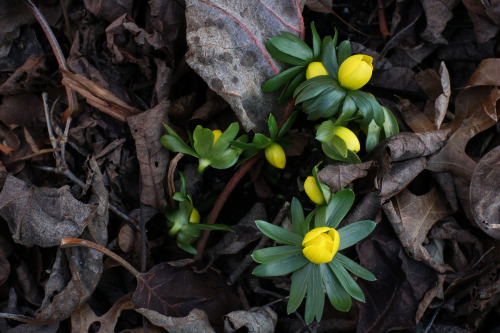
433	189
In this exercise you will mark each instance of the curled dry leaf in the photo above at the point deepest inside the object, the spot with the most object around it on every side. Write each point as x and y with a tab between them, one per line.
339	176
321	6
257	320
442	101
226	48
30	77
39	215
195	321
485	193
484	27
416	119
487	73
147	129
412	217
109	10
437	14
84	317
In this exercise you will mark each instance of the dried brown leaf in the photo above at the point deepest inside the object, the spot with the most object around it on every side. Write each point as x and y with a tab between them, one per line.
84	316
147	129
412	217
437	13
12	16
5	251
30	77
485	193
487	73
226	48
415	118
321	6
195	321
442	101
257	320
339	176
484	27
109	10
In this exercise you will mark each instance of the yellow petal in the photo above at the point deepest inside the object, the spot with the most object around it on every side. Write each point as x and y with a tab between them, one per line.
195	216
315	68
334	234
311	235
355	71
275	155
217	134
317	254
350	139
313	192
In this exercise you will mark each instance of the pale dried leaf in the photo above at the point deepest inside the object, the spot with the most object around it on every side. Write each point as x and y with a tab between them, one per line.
338	177
195	321
441	104
484	27
109	10
406	145
226	48
147	129
321	6
485	193
437	13
412	217
415	118
84	316
257	320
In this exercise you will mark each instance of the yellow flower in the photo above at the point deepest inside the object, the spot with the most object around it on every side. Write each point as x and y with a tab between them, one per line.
355	71
315	68
313	191
217	134
275	155
195	216
320	245
350	139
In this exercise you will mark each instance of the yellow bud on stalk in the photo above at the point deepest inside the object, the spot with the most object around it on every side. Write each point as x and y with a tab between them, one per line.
355	71
313	191
275	155
195	216
315	68
350	139
217	134
320	245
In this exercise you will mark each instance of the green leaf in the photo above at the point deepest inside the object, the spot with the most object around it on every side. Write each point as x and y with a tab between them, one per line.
339	206
346	281
176	145
261	141
188	248
276	253
372	136
179	196
298	221
183	184
298	287
281	79
223	142
292	48
288	123
329	58
390	123
354	267
337	295
273	127
325	105
203	226
349	108
320	217
331	151
224	160
340	146
315	296
363	104
296	39
284	57
316	42
290	88
278	233
313	87
281	267
203	141
242	145
354	232
345	51
325	131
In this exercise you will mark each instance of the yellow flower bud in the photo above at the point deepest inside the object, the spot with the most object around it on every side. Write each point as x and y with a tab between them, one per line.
275	155
350	139
320	245
313	191
195	216
315	68
217	134
355	71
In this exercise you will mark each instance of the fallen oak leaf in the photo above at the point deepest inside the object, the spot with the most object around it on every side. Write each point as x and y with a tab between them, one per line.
226	48
195	321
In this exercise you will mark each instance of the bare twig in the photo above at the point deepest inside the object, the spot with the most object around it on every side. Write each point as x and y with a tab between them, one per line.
170	176
382	21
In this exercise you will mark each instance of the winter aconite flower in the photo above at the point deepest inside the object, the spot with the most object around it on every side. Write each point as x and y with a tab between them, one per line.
217	134
314	69
350	139
320	245
313	191
275	155
195	216
355	71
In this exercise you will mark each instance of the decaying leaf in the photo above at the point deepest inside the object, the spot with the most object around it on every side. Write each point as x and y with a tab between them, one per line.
485	193
416	119
484	27
32	76
322	6
226	48
487	73
12	17
109	10
257	320
195	321
412	217
174	292
339	176
84	316
41	216
437	13
5	251
147	129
